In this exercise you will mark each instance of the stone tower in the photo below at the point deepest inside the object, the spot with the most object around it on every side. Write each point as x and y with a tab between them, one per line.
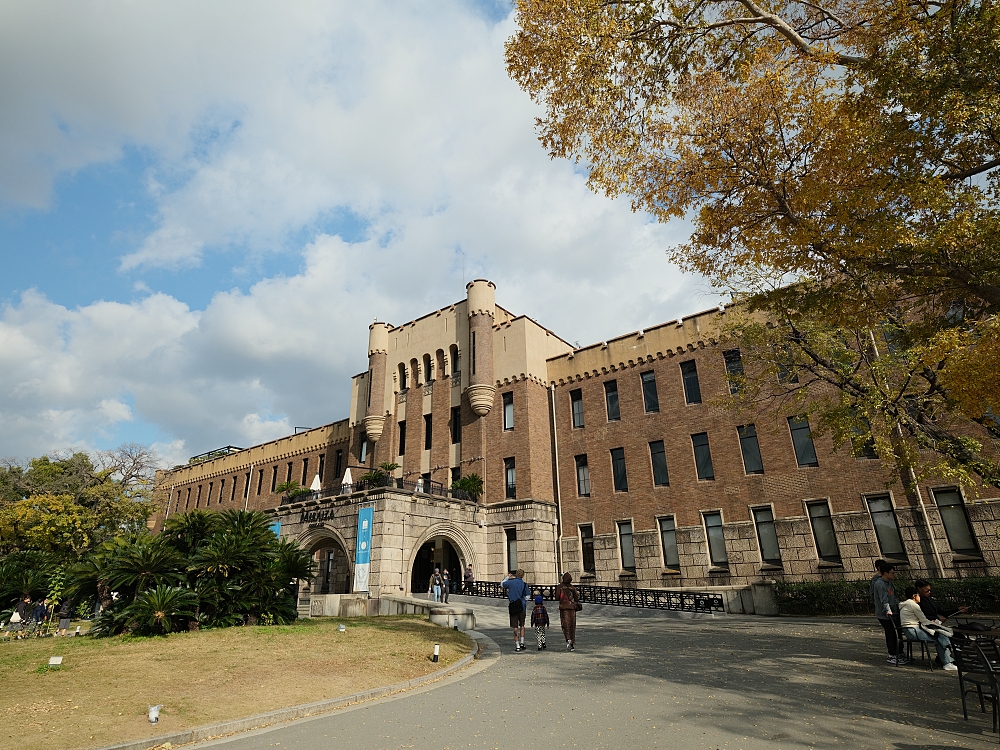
482	310
378	353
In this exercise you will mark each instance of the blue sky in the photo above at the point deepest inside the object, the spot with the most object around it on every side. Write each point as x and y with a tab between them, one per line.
202	207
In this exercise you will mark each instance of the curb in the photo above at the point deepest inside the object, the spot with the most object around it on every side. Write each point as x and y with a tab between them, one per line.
258	721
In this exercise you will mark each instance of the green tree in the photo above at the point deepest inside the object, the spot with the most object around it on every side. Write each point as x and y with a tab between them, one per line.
839	162
472	484
161	610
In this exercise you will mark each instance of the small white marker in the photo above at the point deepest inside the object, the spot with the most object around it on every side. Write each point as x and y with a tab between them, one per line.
154	713
437	651
77	630
55	661
342	628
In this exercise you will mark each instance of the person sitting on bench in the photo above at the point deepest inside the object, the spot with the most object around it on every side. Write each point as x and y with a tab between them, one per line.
917	627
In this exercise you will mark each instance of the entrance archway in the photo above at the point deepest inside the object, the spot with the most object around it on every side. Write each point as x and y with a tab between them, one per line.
333	568
436	552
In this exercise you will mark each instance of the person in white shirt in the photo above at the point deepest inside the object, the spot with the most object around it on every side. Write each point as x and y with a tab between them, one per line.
916	626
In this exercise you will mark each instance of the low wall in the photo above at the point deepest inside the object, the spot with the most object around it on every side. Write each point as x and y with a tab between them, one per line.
360	605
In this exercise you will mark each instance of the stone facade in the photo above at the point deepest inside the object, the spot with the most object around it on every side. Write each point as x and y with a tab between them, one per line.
474	388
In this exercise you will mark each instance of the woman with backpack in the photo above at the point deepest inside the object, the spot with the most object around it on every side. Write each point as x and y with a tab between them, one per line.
569	605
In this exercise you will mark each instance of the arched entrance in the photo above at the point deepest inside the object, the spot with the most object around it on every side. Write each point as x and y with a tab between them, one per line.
436	552
333	569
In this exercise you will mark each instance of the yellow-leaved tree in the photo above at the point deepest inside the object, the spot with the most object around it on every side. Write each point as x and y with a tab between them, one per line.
839	161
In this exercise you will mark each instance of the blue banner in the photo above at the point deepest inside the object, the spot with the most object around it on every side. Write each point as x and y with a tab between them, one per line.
363	548
276	528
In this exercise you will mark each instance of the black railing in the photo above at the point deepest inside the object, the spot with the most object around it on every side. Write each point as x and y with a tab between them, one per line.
675	601
361	485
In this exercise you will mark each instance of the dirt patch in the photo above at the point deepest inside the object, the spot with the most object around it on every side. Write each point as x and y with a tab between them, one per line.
101	694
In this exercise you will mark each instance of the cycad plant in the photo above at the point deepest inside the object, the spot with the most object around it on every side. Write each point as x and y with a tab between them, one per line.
161	610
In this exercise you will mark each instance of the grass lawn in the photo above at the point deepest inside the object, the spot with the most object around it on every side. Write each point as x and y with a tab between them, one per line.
101	693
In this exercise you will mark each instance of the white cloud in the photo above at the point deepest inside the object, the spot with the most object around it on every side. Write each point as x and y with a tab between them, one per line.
264	119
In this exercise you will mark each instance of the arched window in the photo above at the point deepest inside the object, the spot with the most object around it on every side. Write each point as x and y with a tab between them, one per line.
456	366
402	376
414	373
428	369
439	364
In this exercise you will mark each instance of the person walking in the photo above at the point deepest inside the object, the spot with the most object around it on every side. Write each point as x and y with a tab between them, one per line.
434	585
517	594
65	615
569	605
19	617
886	605
470	581
445	585
540	621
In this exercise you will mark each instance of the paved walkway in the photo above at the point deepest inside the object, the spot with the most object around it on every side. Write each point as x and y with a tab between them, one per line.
727	683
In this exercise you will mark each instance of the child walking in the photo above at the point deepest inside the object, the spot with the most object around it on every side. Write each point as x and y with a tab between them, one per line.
540	621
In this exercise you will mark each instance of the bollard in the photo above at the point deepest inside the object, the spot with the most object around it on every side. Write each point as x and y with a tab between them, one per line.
77	631
437	651
154	713
342	628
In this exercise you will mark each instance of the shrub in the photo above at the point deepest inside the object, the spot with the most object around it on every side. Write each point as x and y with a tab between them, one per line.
853	597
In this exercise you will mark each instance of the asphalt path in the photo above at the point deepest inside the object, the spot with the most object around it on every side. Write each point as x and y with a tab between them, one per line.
726	682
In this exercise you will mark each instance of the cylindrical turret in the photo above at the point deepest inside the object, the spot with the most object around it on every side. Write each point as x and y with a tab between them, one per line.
482	310
378	354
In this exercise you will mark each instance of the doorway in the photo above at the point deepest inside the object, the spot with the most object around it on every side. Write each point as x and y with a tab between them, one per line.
435	553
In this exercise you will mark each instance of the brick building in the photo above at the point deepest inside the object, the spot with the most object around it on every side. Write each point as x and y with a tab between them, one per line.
615	461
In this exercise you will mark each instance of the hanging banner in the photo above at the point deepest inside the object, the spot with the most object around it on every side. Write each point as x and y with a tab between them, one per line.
363	550
276	528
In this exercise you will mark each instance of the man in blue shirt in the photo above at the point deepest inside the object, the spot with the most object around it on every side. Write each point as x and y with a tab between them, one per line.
518	593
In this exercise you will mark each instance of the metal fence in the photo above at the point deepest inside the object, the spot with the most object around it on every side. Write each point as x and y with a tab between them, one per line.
675	601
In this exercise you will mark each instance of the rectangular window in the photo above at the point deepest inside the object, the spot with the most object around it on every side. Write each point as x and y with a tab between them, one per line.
716	540
456	424
197	502
305	472
611	398
456	474
339	465
668	540
428	431
625	542
587	548
750	448
511	549
222	491
582	476
763	519
187	498
692	389
246	488
702	456
890	541
805	451
288	476
862	441
510	478
236	480
402	439
322	465
956	522
274	477
472	364
734	369
576	404
363	456
260	480
370	373
208	500
508	411
618	469
650	401
823	533
425	482
786	369
658	457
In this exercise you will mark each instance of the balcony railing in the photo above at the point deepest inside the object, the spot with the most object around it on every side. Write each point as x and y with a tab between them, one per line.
675	601
435	489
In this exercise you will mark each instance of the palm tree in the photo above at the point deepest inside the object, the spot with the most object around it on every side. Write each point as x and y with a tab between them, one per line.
190	530
160	610
380	477
471	484
148	561
292	489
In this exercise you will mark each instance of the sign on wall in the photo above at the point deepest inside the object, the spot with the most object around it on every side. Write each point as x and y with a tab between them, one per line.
363	551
